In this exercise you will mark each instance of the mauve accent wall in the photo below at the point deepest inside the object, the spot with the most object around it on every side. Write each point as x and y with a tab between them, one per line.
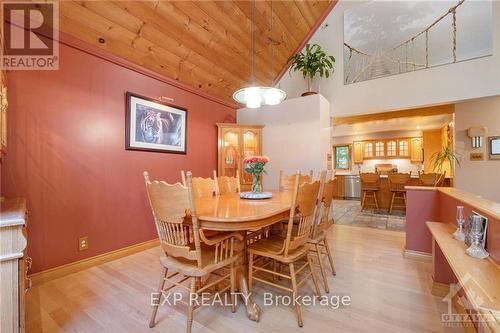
66	155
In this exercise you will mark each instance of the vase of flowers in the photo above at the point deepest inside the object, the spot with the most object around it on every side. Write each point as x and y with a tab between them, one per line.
254	165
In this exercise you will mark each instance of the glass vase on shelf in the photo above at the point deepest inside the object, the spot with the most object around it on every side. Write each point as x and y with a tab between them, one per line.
256	187
459	234
476	249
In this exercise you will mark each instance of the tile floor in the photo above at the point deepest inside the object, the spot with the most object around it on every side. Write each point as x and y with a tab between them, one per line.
348	212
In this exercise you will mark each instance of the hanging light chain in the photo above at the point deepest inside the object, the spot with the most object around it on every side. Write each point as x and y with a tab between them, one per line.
253	77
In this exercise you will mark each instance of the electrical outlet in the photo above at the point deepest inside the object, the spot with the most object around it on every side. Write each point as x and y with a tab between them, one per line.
83	243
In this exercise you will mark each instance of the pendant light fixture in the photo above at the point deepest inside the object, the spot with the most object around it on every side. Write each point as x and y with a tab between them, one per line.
257	96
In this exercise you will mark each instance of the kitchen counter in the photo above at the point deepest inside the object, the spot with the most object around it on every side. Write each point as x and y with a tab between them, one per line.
384	195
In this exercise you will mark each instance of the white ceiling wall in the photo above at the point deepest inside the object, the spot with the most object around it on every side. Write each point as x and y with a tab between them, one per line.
438	85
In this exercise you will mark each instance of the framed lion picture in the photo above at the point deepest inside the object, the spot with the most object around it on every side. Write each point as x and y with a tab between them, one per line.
154	126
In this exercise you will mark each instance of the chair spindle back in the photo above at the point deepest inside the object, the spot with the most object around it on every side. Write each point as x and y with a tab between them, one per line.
287	183
398	181
304	200
227	185
172	205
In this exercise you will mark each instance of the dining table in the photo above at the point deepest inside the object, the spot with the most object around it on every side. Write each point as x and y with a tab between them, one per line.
230	213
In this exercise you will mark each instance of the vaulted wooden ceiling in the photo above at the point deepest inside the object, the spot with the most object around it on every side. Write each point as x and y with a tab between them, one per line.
204	44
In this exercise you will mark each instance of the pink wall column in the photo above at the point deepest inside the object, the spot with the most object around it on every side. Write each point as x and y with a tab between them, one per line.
422	206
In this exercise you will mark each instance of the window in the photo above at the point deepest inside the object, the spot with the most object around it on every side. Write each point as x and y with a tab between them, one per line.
391	148
342	158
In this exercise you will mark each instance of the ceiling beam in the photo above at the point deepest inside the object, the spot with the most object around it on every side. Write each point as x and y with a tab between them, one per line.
418	112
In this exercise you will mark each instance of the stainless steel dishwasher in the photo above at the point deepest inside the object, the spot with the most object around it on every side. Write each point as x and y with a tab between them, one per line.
352	187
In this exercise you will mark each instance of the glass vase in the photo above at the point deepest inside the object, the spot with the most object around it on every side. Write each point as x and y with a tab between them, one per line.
256	187
476	249
459	234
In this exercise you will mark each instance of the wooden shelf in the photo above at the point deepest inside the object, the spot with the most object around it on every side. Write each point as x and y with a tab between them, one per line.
480	279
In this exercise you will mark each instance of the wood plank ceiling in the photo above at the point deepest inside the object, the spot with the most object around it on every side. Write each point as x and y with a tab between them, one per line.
203	44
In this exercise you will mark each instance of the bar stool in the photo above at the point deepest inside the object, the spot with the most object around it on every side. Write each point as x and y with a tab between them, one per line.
397	183
370	185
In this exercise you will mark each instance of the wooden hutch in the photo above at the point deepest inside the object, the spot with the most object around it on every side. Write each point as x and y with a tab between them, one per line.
236	142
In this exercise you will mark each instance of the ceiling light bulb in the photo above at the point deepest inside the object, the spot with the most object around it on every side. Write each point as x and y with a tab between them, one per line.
272	96
418	127
252	97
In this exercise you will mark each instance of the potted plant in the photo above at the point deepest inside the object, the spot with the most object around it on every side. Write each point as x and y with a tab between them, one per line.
311	62
445	156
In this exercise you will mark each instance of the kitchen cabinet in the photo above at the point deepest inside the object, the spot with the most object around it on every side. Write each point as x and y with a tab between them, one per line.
380	149
392	148
339	187
408	148
358	152
404	148
368	150
236	142
416	155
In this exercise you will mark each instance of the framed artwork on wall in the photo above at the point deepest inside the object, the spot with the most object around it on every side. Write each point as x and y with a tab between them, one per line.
383	38
494	147
151	125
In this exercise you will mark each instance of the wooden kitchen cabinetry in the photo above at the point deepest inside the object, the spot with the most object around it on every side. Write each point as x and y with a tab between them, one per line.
416	155
339	187
236	142
358	152
408	148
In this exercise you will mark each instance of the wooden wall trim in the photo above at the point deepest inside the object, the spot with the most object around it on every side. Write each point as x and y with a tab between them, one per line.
417	112
60	271
306	39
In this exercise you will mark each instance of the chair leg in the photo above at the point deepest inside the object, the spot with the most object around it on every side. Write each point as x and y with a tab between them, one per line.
155	307
376	201
298	311
233	287
192	290
274	270
363	200
250	272
313	275
392	201
322	269
330	259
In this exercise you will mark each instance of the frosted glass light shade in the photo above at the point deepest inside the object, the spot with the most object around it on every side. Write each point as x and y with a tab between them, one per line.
254	97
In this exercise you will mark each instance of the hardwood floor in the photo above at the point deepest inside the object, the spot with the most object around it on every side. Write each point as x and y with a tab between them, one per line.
389	293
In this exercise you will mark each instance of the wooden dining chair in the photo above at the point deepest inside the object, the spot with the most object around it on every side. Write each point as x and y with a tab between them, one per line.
431	179
288	249
287	183
188	254
202	187
397	183
319	244
227	185
370	185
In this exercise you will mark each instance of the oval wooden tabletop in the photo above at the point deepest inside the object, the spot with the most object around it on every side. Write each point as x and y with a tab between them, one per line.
229	212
